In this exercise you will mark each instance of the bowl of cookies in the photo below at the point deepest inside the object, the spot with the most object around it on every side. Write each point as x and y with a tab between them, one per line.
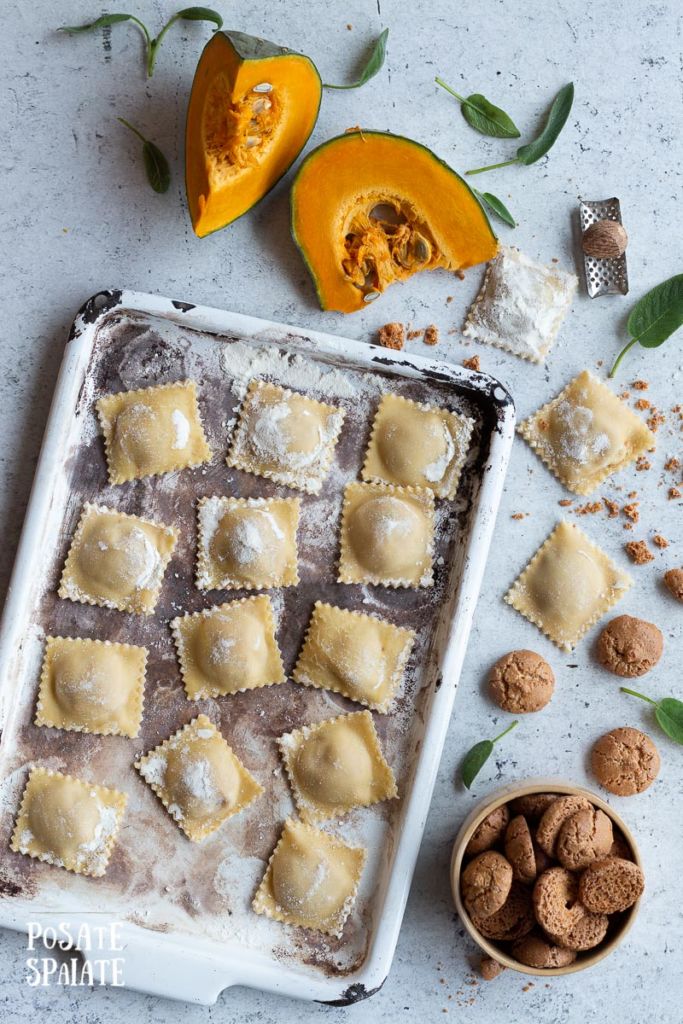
546	877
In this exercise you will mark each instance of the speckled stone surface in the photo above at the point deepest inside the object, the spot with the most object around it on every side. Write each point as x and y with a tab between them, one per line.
77	216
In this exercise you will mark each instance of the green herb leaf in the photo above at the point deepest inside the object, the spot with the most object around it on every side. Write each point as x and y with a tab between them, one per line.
482	115
557	118
533	151
156	164
668	712
187	14
496	206
476	758
655	317
103	22
374	64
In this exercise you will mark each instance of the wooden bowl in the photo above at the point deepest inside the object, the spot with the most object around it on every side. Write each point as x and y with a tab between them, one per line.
474	819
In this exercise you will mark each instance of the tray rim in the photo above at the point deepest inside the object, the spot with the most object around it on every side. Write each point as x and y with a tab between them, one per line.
161	963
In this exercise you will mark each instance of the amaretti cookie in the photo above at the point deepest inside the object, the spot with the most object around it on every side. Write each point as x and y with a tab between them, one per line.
486	884
534	951
336	765
519	849
584	837
117	560
229	648
586	434
521	305
357	655
625	761
489	832
311	879
521	682
611	885
152	430
198	778
514	919
285	436
630	647
91	686
387	536
68	822
247	543
567	586
556	901
554	817
417	445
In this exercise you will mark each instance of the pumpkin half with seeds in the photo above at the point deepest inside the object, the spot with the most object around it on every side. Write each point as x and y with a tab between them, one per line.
369	208
252	108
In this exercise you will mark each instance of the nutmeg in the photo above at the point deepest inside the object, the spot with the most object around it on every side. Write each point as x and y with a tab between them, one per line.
605	240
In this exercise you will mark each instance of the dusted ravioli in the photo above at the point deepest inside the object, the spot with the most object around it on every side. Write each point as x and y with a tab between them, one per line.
336	765
247	543
92	686
152	430
387	535
358	655
567	586
311	879
285	436
117	561
521	305
198	778
586	434
418	445
229	648
67	822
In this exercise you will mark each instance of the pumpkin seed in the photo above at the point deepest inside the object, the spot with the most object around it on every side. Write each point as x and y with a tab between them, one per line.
262	87
370	296
252	140
421	248
260	105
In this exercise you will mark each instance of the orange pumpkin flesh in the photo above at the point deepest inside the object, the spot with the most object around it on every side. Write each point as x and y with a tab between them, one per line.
252	108
369	208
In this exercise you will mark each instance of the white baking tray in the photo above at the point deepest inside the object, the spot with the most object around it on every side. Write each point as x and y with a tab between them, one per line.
180	942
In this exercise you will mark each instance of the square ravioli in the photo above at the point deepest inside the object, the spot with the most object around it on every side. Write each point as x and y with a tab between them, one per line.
357	655
285	436
418	445
586	434
117	561
387	535
68	822
336	765
311	879
92	686
567	586
521	305
198	778
152	430
247	543
228	649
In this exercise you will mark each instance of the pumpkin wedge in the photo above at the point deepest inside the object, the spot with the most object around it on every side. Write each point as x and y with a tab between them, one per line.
369	208
252	108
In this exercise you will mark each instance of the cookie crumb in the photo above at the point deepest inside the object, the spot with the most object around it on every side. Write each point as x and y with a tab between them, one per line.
472	363
565	502
589	509
449	298
655	420
431	335
640	385
490	968
414	334
612	508
631	511
672	464
642	404
638	552
659	541
643	463
625	395
673	578
460	274
674	493
392	335
519	515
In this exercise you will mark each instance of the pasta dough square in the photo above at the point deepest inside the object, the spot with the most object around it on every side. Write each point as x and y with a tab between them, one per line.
198	778
336	765
417	445
285	436
117	561
586	433
521	305
357	655
68	822
247	543
387	535
92	686
567	586
152	430
228	649
311	879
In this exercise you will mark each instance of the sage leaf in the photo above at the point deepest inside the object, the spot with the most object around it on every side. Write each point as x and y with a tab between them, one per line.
373	65
655	317
497	206
187	14
475	759
482	115
668	713
557	118
103	22
156	164
533	151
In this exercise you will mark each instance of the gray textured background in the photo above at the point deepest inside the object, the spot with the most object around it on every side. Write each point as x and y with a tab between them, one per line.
77	216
